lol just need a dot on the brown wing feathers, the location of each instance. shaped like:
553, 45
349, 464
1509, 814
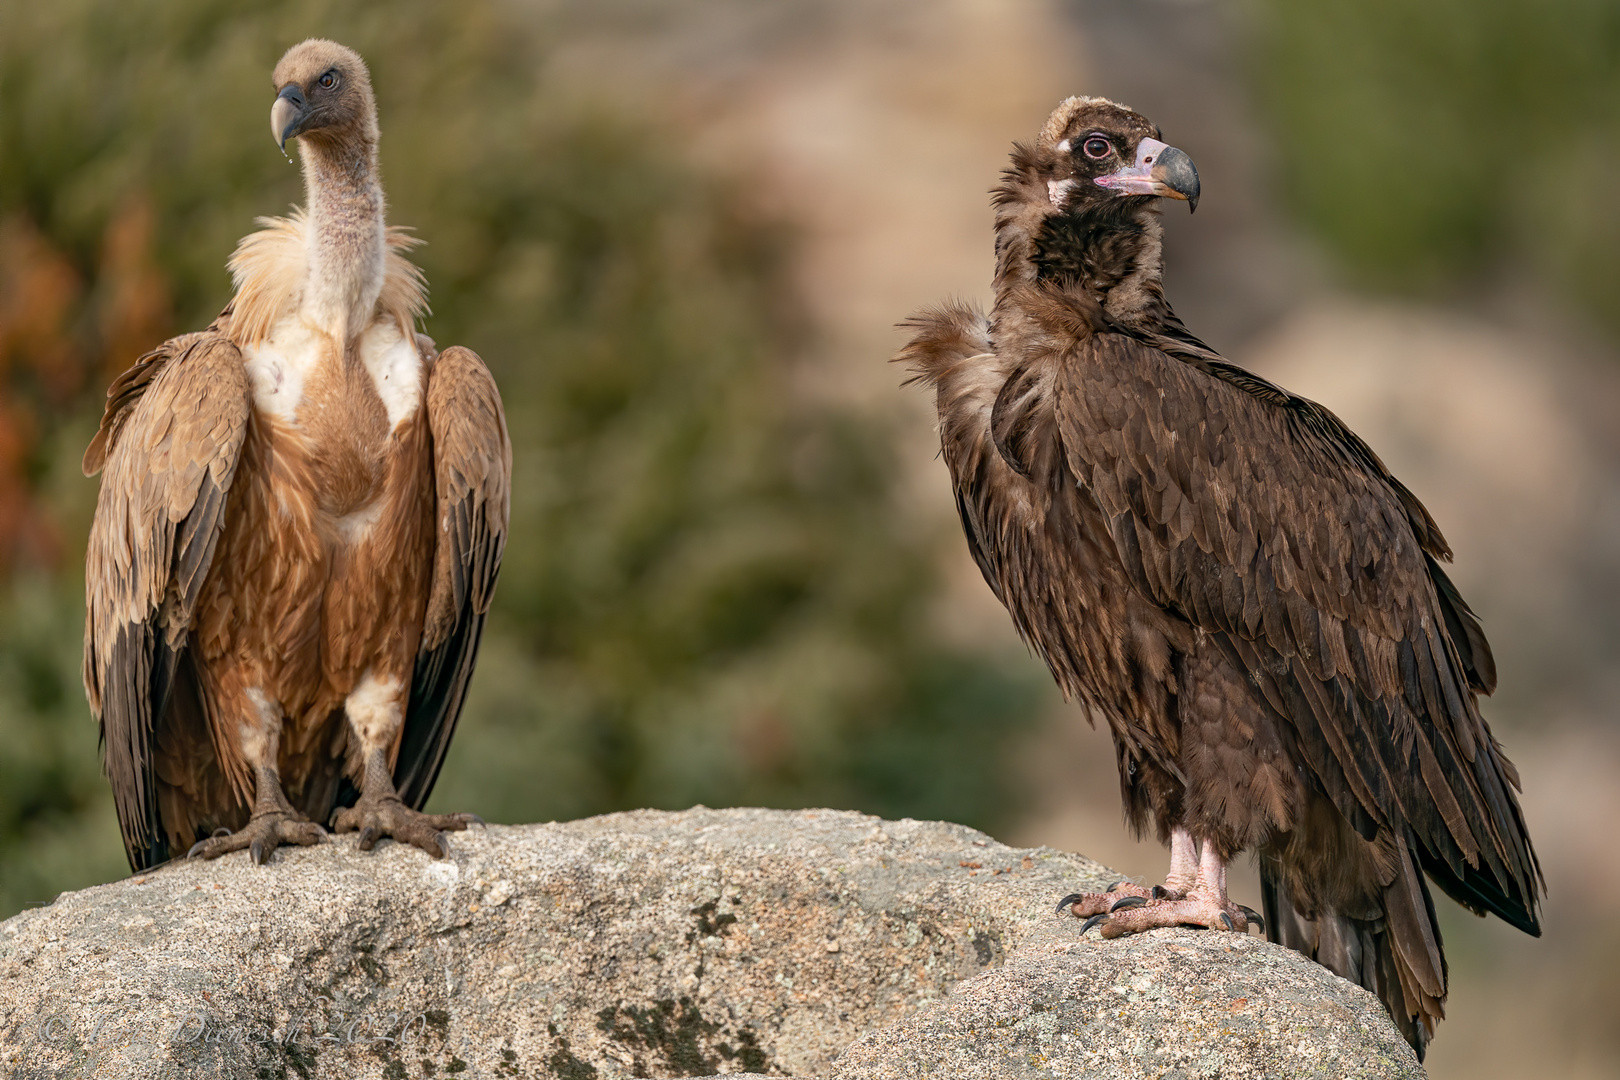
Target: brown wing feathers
472, 464
169, 443
1321, 571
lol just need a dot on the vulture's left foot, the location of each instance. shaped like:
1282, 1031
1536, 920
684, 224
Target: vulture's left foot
389, 816
1198, 909
263, 833
1081, 905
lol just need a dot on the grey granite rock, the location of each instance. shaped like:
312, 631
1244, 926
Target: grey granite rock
655, 944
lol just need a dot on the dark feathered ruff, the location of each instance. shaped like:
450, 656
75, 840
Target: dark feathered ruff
1231, 578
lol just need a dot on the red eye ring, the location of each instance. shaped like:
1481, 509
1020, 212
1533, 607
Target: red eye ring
1097, 147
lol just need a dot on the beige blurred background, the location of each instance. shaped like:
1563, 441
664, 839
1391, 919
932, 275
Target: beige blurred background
873, 129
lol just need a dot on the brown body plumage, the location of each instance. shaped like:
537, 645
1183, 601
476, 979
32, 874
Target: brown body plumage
1230, 578
299, 527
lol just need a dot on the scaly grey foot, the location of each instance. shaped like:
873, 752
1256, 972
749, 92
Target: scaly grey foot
389, 816
261, 835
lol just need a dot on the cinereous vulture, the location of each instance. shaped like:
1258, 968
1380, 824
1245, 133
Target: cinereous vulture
301, 518
1229, 577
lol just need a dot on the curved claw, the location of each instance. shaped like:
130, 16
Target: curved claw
1227, 919
1160, 892
1093, 921
257, 852
368, 837
1128, 902
1254, 917
1115, 885
219, 832
199, 845
444, 846
1064, 903
474, 819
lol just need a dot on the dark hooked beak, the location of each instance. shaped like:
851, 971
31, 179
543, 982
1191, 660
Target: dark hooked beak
288, 115
1158, 170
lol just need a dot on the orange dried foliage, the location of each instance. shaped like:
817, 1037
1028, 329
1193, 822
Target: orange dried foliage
51, 323
136, 310
39, 293
39, 289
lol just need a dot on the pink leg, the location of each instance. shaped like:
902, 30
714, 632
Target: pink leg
1204, 903
1183, 873
1183, 863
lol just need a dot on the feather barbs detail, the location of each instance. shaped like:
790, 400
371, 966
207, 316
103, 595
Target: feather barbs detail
269, 268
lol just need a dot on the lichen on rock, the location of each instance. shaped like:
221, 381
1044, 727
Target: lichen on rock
808, 943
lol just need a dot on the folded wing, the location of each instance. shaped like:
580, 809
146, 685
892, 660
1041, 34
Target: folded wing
472, 461
1259, 517
168, 444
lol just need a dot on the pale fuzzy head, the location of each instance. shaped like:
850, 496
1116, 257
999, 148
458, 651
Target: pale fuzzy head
323, 93
1062, 120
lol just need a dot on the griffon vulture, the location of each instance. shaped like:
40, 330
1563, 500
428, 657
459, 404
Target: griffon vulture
1230, 578
301, 518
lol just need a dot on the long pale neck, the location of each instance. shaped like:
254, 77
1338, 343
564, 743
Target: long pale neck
347, 235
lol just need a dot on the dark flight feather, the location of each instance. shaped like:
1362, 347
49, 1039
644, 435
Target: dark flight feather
472, 458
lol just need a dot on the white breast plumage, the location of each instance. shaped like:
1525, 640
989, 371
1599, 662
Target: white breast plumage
281, 364
395, 366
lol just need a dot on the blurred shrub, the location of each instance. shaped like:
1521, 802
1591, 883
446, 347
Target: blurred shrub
1428, 140
57, 829
709, 592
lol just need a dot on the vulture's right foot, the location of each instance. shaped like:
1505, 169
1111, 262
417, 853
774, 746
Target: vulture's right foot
261, 835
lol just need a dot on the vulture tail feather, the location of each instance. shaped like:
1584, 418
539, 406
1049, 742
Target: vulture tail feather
1396, 954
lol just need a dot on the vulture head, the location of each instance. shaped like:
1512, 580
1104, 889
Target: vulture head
1095, 152
323, 93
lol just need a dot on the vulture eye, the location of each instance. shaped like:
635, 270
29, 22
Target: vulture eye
329, 80
1098, 147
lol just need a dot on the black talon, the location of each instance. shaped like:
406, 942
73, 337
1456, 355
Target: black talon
474, 819
1227, 919
444, 846
1115, 885
1255, 918
256, 850
1093, 921
368, 837
1128, 902
1160, 892
198, 846
1069, 900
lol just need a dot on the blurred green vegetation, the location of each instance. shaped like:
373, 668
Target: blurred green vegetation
1433, 142
709, 594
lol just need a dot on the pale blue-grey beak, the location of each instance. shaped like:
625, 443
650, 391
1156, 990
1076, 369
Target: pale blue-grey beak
1159, 169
